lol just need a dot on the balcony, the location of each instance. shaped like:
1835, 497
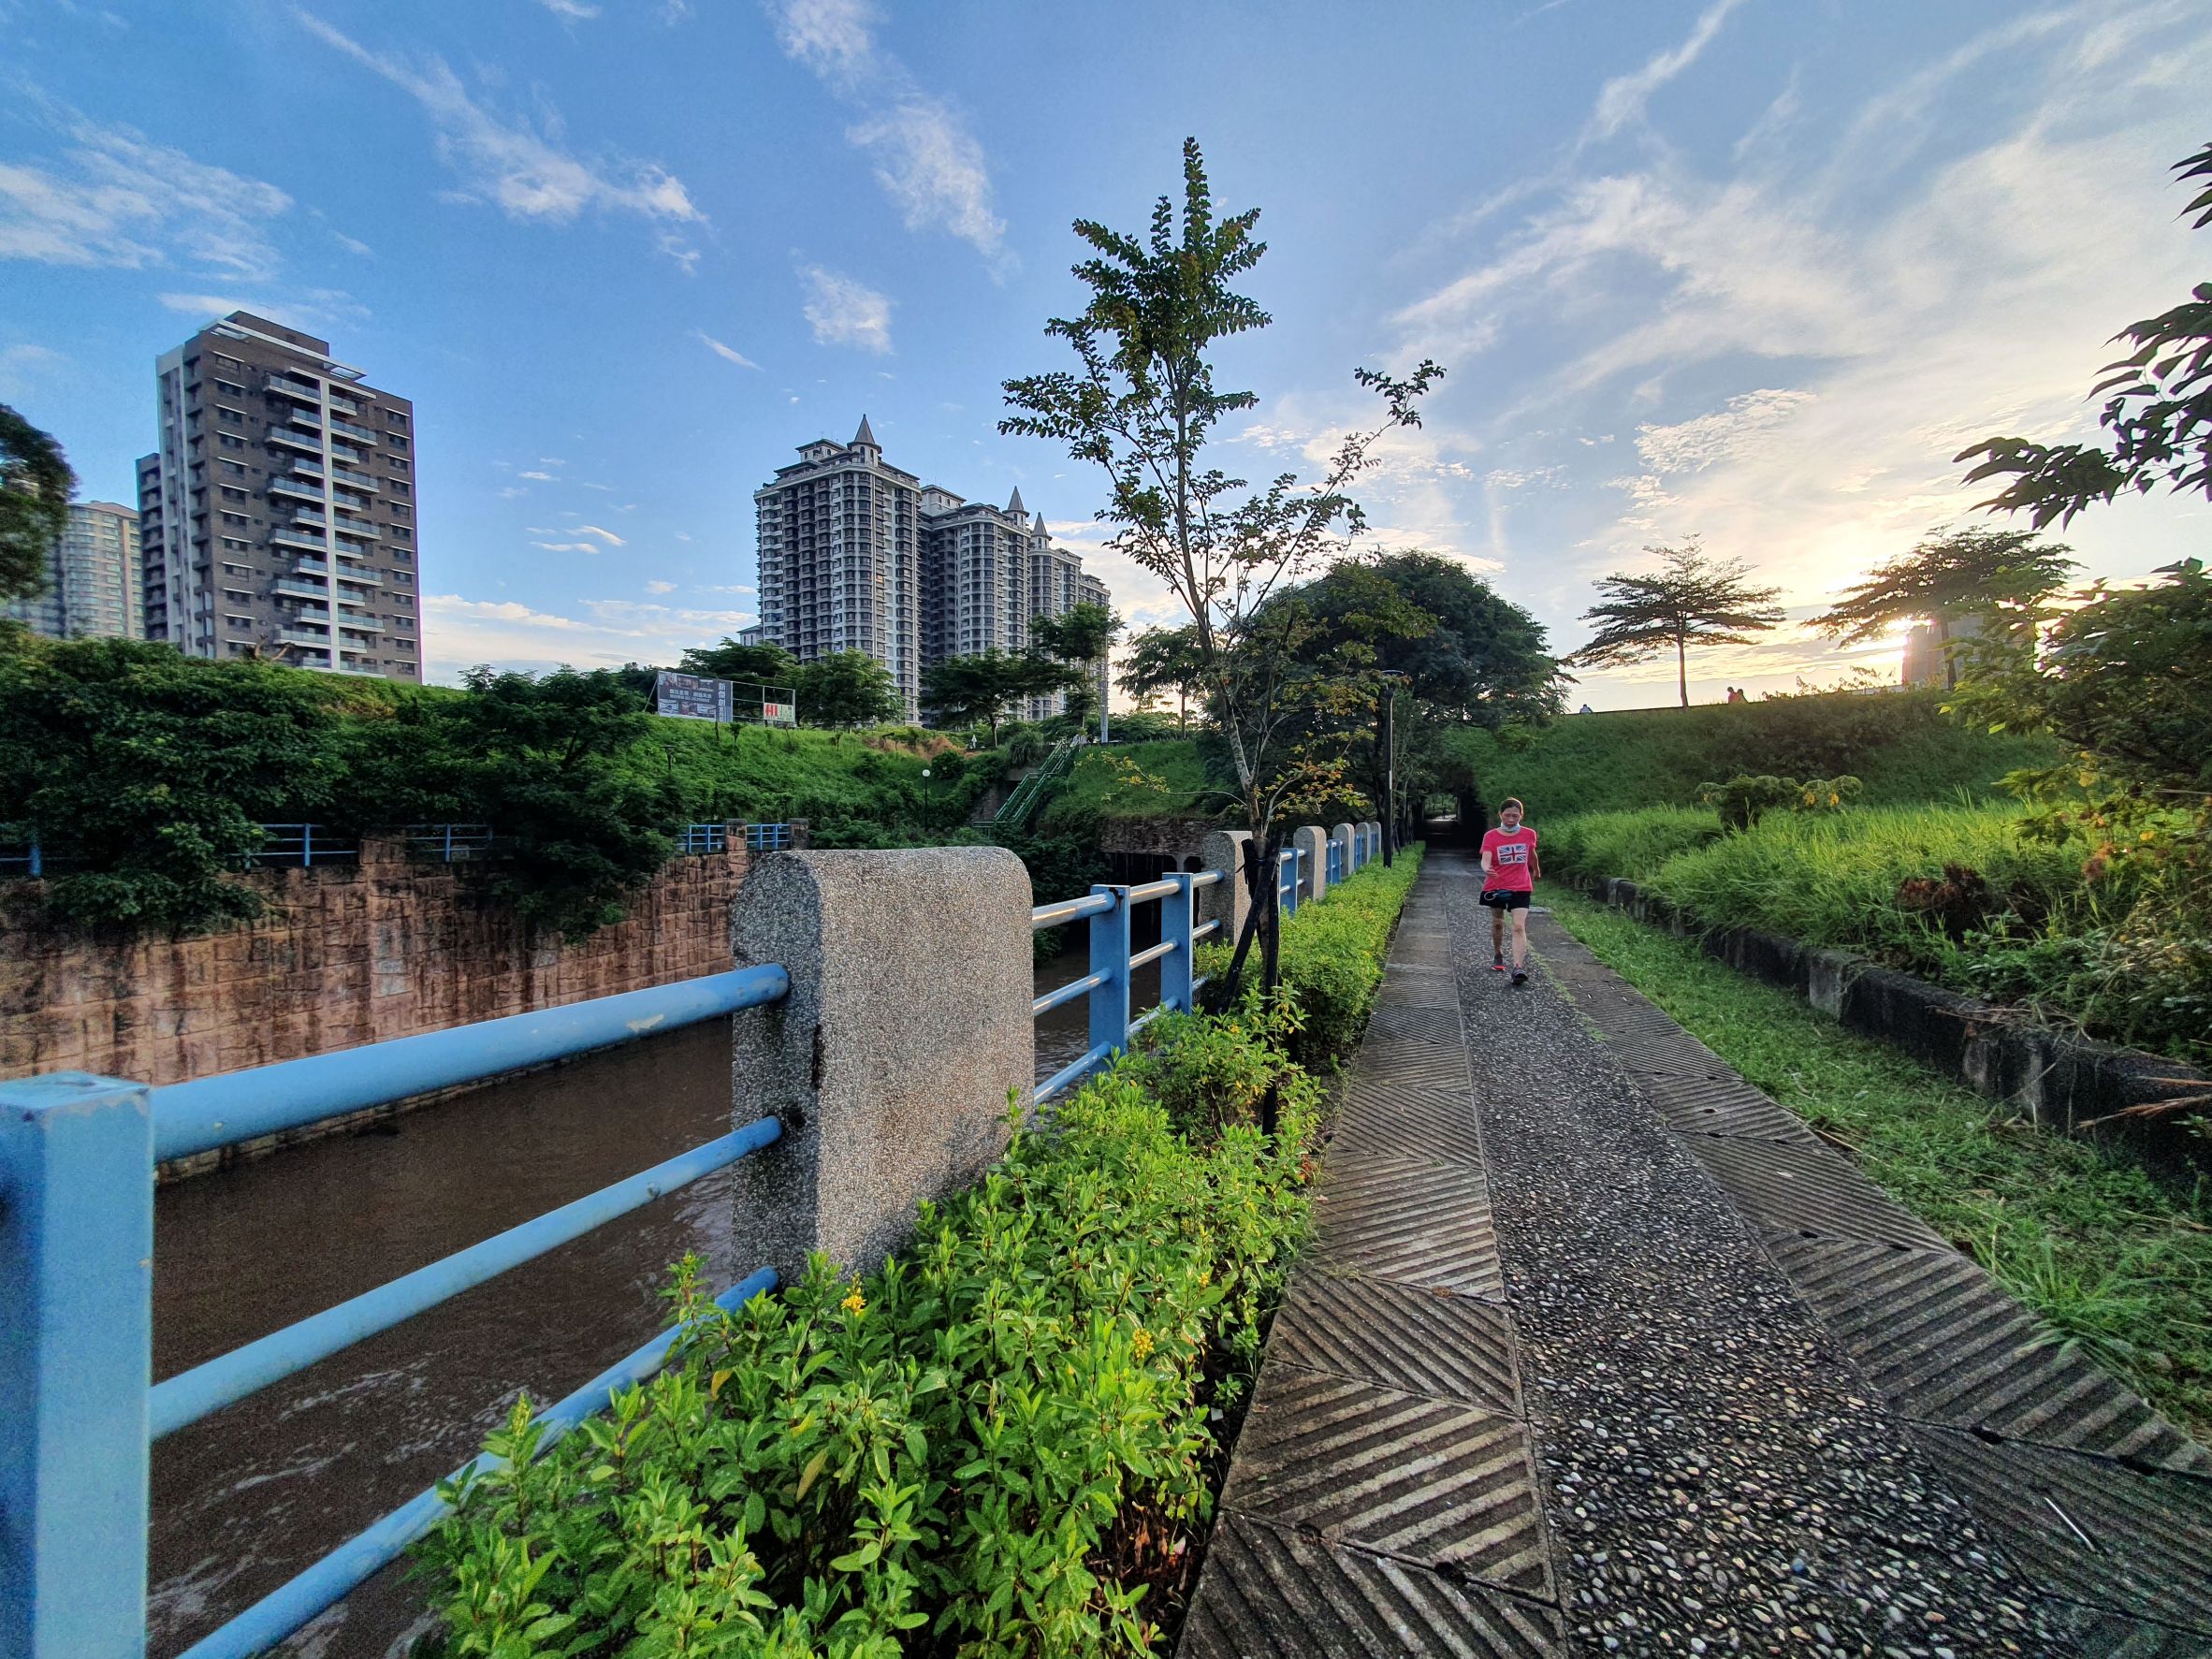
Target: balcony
344, 405
360, 434
288, 538
298, 441
294, 588
365, 578
314, 521
368, 670
348, 624
310, 567
359, 480
359, 527
310, 489
300, 636
305, 391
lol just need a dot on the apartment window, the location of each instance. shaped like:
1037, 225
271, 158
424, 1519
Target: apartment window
229, 442
238, 518
232, 468
399, 512
228, 416
398, 466
404, 578
402, 532
233, 495
244, 624
232, 544
400, 488
234, 390
237, 570
393, 418
232, 596
396, 443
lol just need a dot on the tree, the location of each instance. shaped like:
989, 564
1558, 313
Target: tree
147, 776
1142, 405
846, 688
540, 759
756, 664
960, 691
1082, 634
2157, 415
35, 485
1163, 659
1950, 577
1693, 600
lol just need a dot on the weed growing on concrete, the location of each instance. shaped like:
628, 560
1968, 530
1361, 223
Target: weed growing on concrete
2116, 1261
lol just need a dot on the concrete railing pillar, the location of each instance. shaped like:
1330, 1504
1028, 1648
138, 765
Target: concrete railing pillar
890, 1062
1340, 836
1312, 841
1227, 901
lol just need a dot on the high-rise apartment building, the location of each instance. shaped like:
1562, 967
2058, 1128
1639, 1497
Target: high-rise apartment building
277, 517
857, 554
91, 578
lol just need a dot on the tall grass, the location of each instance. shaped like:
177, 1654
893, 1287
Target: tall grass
1632, 844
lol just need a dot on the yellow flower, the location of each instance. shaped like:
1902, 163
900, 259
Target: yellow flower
1143, 1342
855, 1304
1206, 1278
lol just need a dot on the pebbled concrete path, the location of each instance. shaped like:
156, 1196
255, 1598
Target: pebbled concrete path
1599, 1351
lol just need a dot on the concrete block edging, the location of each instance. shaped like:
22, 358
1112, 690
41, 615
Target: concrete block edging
2065, 1084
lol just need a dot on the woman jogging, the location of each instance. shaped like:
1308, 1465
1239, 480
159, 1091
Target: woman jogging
1510, 873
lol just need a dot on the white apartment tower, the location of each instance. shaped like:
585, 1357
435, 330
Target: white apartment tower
277, 517
839, 538
857, 554
91, 578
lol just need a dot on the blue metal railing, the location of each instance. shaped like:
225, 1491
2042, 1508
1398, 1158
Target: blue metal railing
449, 842
768, 838
703, 837
303, 844
78, 1155
306, 845
1113, 963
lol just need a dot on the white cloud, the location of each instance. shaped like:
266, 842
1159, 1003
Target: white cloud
521, 166
926, 160
659, 587
608, 536
541, 477
1623, 99
568, 547
574, 10
463, 632
728, 354
843, 312
317, 310
23, 366
113, 197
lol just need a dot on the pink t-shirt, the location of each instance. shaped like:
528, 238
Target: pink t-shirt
1512, 858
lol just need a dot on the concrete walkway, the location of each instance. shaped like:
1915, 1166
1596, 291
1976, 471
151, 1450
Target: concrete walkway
1600, 1350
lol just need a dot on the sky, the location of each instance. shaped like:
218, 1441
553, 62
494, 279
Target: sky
1753, 271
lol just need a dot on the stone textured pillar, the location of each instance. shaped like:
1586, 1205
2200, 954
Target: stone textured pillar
1227, 901
1340, 836
1312, 840
890, 1062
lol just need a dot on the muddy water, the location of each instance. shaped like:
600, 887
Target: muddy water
246, 1498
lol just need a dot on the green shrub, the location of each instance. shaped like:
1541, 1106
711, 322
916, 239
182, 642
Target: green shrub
984, 1446
1331, 964
1744, 799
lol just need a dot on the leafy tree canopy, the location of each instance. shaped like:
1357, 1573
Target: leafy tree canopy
758, 664
2156, 417
1952, 573
1163, 659
846, 688
1082, 635
155, 773
1692, 600
35, 485
960, 691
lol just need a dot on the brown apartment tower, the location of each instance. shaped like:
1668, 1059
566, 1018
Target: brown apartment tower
278, 518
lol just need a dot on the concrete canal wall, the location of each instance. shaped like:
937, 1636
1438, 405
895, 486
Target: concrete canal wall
344, 954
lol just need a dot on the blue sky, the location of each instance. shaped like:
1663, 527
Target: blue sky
1753, 269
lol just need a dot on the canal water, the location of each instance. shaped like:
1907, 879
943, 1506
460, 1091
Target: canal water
246, 1498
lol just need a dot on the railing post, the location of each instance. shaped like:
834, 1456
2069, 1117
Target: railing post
1288, 891
1110, 955
1341, 844
1177, 916
37, 865
307, 846
1312, 842
76, 1359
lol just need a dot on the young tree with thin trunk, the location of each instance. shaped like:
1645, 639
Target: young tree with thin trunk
1163, 659
1692, 600
1952, 575
1142, 405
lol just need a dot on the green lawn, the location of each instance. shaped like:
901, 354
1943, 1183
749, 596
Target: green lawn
2115, 1259
1132, 780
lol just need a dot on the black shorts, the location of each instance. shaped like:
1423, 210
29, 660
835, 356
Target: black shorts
1504, 898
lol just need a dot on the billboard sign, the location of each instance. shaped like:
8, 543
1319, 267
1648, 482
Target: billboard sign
691, 697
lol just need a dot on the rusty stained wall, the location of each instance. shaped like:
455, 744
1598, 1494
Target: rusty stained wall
342, 956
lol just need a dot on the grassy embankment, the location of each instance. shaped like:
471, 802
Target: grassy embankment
1162, 778
2117, 1261
1901, 745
